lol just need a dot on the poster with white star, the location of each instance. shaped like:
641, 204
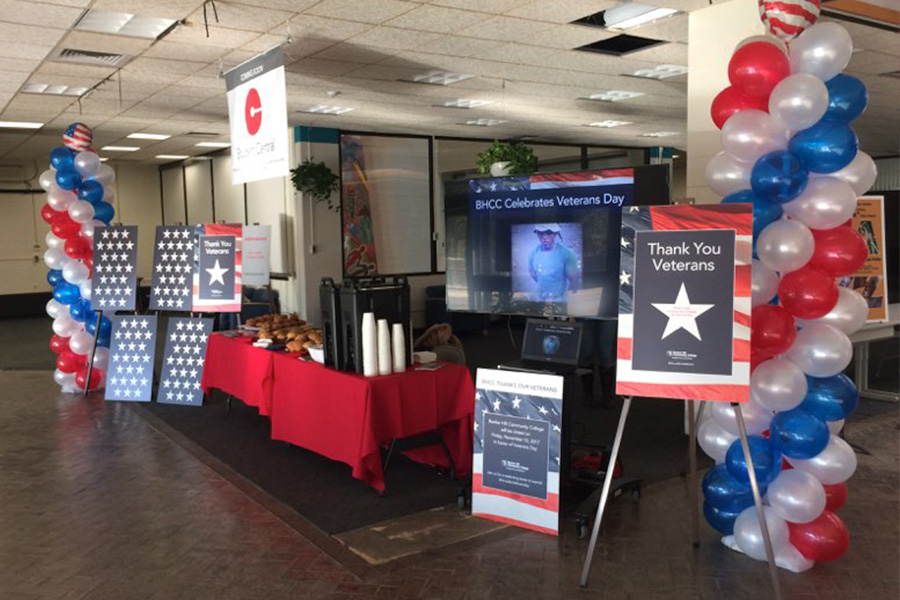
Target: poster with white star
517, 444
182, 364
173, 265
684, 302
217, 268
114, 280
131, 353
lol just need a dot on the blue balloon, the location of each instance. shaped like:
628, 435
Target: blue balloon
68, 179
721, 520
847, 98
798, 433
62, 159
105, 326
103, 342
91, 191
66, 293
104, 211
766, 460
724, 492
826, 147
764, 212
778, 177
77, 312
830, 398
54, 276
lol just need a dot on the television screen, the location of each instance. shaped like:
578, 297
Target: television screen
544, 245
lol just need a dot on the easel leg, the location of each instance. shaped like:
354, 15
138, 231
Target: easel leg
692, 480
604, 495
757, 500
90, 366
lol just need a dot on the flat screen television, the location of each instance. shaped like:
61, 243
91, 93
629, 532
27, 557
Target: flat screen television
544, 245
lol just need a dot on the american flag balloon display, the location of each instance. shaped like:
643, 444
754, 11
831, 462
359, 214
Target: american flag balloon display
78, 137
786, 19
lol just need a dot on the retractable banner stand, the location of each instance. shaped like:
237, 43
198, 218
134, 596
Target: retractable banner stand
516, 455
257, 114
256, 251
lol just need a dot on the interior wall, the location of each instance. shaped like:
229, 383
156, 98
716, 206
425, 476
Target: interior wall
138, 203
22, 232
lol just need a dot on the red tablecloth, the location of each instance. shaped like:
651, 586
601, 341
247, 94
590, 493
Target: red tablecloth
234, 366
347, 417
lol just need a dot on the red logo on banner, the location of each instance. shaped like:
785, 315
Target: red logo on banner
253, 111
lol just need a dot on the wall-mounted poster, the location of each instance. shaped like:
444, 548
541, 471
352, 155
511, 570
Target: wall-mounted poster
684, 302
871, 279
517, 428
257, 244
217, 274
114, 280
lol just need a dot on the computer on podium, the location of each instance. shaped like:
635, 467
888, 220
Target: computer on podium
552, 346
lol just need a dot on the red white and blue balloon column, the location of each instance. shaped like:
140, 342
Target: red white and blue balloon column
788, 149
79, 192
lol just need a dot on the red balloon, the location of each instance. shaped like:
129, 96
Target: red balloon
807, 293
48, 214
839, 251
732, 100
59, 344
835, 496
64, 227
69, 362
825, 538
81, 376
772, 331
755, 69
76, 247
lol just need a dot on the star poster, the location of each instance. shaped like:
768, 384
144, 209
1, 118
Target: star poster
182, 364
684, 302
173, 264
131, 353
217, 271
114, 280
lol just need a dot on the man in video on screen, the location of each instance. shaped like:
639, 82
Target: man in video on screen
552, 265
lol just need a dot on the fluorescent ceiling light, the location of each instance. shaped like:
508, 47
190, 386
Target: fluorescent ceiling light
116, 23
212, 144
438, 77
121, 148
610, 123
659, 134
466, 103
614, 96
172, 156
632, 14
104, 159
148, 136
56, 90
661, 72
325, 109
20, 125
485, 122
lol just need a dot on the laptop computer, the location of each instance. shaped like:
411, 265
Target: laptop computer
552, 346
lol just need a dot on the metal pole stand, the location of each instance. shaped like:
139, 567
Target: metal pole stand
692, 480
90, 365
757, 500
604, 495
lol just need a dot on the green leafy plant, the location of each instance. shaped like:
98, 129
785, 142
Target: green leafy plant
521, 158
317, 181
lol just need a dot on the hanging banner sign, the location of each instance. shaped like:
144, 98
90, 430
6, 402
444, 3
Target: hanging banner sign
257, 248
684, 302
217, 274
871, 279
517, 428
257, 115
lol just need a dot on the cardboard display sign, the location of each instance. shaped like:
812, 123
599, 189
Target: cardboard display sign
684, 302
517, 429
256, 252
131, 353
173, 263
114, 280
871, 279
257, 116
218, 269
182, 364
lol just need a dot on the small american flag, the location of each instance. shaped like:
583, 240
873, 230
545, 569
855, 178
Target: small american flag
78, 137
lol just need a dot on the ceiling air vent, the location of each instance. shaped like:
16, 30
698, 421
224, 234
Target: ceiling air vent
89, 57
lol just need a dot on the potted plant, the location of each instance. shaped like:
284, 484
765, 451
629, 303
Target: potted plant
505, 158
317, 181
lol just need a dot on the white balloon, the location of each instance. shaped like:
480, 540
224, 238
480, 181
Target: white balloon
756, 418
80, 342
860, 173
748, 534
748, 134
85, 287
778, 385
835, 426
835, 464
725, 174
55, 258
109, 194
101, 358
60, 199
63, 379
821, 350
47, 179
826, 203
105, 174
87, 229
764, 283
798, 101
796, 496
849, 313
64, 326
87, 163
54, 242
56, 308
822, 50
714, 440
81, 211
71, 388
75, 272
785, 245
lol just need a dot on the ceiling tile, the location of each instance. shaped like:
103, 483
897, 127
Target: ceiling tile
323, 67
35, 13
16, 33
176, 51
168, 9
238, 16
371, 11
162, 65
672, 29
554, 11
458, 46
437, 19
505, 28
26, 51
567, 36
195, 33
21, 65
288, 5
493, 6
352, 52
392, 37
310, 26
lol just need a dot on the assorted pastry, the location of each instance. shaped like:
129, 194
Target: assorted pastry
289, 331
